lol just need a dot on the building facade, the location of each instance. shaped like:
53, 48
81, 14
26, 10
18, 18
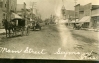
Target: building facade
95, 17
86, 19
77, 7
1, 13
88, 15
70, 15
9, 6
79, 11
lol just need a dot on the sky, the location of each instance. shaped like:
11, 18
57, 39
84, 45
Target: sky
48, 7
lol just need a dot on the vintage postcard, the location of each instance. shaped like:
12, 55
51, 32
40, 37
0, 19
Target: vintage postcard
49, 29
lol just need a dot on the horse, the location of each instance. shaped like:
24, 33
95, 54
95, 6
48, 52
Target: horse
9, 26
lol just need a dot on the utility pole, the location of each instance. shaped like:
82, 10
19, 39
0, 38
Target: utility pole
24, 15
36, 12
75, 9
8, 11
37, 15
33, 3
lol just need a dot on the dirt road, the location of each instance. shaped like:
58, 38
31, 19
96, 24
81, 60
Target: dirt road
52, 42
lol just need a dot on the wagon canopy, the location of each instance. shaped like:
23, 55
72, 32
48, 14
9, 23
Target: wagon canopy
15, 16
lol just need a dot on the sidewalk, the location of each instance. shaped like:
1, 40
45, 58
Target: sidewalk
88, 34
87, 29
2, 31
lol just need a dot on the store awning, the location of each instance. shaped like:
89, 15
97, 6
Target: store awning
85, 19
15, 16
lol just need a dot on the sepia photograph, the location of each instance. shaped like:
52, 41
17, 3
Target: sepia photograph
49, 29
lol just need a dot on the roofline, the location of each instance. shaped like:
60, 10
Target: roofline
77, 5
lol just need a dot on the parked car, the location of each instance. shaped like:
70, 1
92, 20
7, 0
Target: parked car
77, 26
36, 26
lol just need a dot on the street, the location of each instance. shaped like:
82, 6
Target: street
52, 42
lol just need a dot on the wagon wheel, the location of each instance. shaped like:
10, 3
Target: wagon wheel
34, 28
16, 30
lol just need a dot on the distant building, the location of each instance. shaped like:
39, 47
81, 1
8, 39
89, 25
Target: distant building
70, 17
63, 13
87, 14
70, 14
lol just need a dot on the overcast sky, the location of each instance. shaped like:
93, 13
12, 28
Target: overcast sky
48, 7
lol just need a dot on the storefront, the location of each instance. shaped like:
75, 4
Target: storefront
95, 21
95, 18
85, 21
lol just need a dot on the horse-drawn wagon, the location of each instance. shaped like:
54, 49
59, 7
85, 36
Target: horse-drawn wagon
21, 27
15, 27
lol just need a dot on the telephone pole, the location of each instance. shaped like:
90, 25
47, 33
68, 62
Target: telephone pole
8, 10
33, 3
24, 15
75, 9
